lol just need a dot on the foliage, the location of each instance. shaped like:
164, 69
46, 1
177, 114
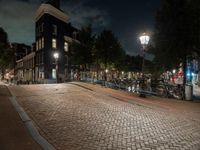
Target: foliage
109, 50
82, 51
177, 32
133, 63
105, 49
5, 51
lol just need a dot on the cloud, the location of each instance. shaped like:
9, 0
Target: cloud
17, 17
81, 14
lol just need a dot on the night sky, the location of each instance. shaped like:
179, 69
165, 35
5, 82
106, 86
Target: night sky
126, 18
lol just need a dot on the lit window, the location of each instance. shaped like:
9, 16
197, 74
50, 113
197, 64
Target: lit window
42, 42
54, 43
41, 75
54, 73
54, 30
66, 47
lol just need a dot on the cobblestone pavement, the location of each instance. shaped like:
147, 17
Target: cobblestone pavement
79, 116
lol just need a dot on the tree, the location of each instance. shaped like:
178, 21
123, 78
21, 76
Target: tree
5, 51
109, 50
82, 51
177, 32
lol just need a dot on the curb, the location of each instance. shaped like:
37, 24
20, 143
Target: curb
30, 126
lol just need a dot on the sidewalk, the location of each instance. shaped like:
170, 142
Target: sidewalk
14, 135
197, 92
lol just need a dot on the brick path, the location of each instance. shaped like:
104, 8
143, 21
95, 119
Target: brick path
88, 117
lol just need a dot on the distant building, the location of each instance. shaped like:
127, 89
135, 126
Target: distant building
19, 50
53, 33
19, 76
25, 69
29, 67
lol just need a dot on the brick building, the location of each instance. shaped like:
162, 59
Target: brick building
53, 33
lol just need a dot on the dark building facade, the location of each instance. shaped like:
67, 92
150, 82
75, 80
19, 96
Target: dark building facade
53, 33
19, 51
25, 69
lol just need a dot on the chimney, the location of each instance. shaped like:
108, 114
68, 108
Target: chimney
55, 3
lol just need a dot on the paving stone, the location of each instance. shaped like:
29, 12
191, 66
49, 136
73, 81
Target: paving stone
81, 119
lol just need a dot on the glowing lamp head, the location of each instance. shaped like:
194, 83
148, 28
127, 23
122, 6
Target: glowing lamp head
174, 71
106, 70
56, 55
144, 39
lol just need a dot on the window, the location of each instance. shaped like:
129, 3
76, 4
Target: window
66, 47
53, 73
36, 45
54, 29
42, 42
37, 31
39, 44
39, 58
42, 57
41, 75
42, 27
53, 43
74, 35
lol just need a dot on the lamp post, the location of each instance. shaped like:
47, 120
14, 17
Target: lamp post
56, 56
105, 76
144, 40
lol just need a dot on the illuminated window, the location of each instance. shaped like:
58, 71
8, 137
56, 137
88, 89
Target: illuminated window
53, 43
41, 75
54, 73
66, 47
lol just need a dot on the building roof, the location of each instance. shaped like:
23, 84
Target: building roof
49, 9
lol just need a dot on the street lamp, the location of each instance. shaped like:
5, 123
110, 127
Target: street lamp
144, 40
56, 56
174, 71
105, 76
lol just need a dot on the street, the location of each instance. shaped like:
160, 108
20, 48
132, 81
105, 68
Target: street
81, 116
14, 134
